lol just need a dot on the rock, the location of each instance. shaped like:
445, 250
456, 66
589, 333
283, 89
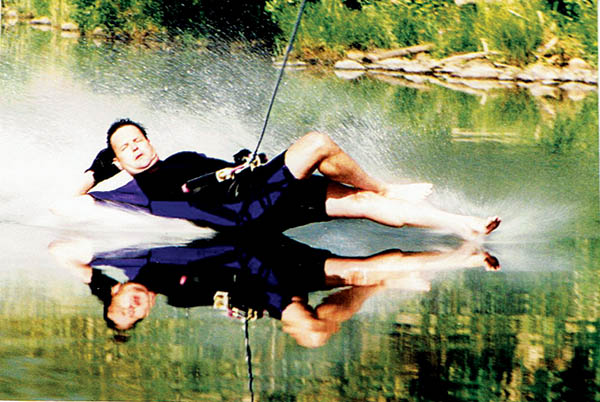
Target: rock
578, 64
410, 66
591, 77
69, 26
479, 69
450, 68
355, 55
539, 72
579, 70
41, 21
507, 73
348, 65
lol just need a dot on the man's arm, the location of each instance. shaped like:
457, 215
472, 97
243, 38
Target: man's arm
102, 168
85, 184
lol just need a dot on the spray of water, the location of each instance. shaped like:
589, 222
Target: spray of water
214, 103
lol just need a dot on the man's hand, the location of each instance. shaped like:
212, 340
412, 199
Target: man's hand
103, 167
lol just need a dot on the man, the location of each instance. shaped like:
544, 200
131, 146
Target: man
281, 194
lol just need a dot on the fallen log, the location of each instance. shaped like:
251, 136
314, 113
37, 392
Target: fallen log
467, 56
374, 57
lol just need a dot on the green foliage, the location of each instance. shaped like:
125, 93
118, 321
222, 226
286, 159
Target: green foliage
41, 7
516, 28
124, 17
516, 32
331, 24
182, 19
420, 21
577, 26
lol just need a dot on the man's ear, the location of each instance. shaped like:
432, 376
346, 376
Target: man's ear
117, 163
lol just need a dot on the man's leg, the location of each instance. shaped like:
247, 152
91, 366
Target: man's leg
347, 202
316, 151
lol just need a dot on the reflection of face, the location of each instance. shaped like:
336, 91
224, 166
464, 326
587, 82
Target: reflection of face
130, 303
133, 150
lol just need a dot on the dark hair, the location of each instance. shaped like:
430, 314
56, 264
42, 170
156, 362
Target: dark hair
120, 123
100, 286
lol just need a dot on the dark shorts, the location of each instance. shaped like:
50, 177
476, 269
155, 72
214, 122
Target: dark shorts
302, 201
277, 200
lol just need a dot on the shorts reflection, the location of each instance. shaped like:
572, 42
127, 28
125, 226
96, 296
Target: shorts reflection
253, 277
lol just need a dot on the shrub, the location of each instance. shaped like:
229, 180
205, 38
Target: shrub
516, 32
331, 24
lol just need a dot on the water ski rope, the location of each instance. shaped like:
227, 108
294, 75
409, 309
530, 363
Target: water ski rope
285, 59
198, 184
262, 134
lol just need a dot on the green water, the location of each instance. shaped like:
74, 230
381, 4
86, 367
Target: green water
528, 332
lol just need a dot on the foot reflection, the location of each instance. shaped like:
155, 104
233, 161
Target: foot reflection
252, 277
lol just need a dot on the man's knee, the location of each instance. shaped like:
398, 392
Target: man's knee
319, 143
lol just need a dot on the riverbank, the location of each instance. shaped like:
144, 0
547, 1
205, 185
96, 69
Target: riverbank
474, 73
519, 30
555, 68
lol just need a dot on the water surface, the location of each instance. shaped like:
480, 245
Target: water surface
527, 332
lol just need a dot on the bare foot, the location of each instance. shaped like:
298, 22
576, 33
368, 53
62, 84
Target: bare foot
409, 192
493, 223
474, 228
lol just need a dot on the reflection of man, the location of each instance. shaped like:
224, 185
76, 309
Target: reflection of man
281, 194
274, 276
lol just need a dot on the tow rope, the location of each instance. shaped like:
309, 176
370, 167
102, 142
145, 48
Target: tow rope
281, 70
226, 178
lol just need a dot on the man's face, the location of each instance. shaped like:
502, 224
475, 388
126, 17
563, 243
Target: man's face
133, 151
130, 303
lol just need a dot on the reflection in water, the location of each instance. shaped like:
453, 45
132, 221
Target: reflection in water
249, 277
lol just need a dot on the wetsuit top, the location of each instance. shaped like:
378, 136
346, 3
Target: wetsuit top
263, 276
277, 200
158, 189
